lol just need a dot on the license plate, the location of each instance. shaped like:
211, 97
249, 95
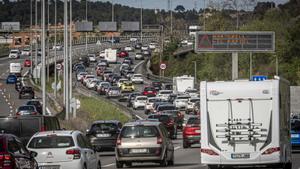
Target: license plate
138, 150
103, 135
240, 156
197, 131
49, 167
295, 135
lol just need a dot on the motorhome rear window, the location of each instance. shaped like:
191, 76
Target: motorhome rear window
29, 127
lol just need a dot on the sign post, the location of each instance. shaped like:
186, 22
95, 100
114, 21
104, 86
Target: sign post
234, 42
163, 66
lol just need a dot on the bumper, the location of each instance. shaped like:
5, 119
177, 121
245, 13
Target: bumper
192, 139
74, 164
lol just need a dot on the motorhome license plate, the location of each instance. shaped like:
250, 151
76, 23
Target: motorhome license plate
139, 150
240, 156
50, 167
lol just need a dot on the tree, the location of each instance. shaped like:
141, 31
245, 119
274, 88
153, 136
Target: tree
179, 8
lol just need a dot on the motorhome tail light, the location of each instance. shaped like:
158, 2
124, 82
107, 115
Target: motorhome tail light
271, 150
5, 160
159, 140
209, 152
75, 152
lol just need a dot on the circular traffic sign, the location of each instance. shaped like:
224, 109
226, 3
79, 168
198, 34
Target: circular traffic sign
163, 66
58, 66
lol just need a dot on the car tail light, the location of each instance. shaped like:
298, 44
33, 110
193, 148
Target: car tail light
75, 152
119, 141
6, 161
34, 113
271, 150
159, 140
18, 113
209, 152
43, 128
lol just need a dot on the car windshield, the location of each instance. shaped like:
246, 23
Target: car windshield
141, 98
193, 120
51, 142
139, 131
22, 108
295, 126
103, 126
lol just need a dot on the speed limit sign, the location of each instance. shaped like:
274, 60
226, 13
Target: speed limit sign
163, 66
58, 66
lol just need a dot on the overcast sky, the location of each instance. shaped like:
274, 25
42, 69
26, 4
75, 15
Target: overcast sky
163, 4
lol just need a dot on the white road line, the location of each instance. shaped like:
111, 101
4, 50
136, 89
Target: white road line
6, 100
10, 107
9, 103
177, 148
140, 118
137, 65
4, 96
49, 112
108, 165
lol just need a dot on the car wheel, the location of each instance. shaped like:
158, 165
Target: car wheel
20, 97
288, 165
171, 162
119, 164
185, 144
164, 161
99, 165
128, 164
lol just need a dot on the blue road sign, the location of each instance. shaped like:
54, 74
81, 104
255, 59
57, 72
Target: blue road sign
259, 78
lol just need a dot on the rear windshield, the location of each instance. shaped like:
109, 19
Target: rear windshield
10, 126
161, 118
33, 103
165, 92
295, 125
193, 121
141, 98
51, 142
183, 98
139, 132
149, 89
1, 144
138, 76
162, 108
26, 108
104, 126
153, 100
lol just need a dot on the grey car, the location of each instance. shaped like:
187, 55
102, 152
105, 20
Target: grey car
144, 141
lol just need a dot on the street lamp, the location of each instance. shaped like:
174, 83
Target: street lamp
43, 58
195, 71
141, 21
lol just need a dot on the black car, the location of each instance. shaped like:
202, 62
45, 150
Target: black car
103, 134
26, 92
25, 126
37, 105
13, 153
18, 85
84, 60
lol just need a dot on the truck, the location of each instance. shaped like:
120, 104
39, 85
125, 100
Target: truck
15, 68
111, 55
245, 124
181, 83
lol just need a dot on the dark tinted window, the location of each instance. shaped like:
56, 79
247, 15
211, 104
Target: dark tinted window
1, 144
103, 126
35, 103
26, 108
149, 89
193, 120
162, 108
161, 118
295, 125
139, 131
51, 142
29, 127
10, 126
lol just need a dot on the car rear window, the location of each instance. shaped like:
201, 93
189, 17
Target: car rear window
139, 132
149, 89
10, 126
162, 108
193, 121
104, 126
26, 108
161, 118
1, 144
295, 125
166, 92
51, 142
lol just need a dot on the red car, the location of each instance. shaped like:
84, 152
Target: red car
27, 63
149, 91
191, 132
123, 54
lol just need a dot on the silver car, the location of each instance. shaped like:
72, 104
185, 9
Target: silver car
144, 141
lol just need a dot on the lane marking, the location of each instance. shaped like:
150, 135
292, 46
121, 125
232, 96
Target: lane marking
108, 165
140, 118
49, 112
177, 148
137, 65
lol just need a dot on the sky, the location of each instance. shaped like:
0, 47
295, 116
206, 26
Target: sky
163, 4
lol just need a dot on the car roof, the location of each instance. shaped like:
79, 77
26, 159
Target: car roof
142, 122
106, 121
56, 132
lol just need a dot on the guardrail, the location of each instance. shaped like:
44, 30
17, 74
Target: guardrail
183, 50
154, 77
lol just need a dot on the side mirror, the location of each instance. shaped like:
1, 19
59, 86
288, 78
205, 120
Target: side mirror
33, 154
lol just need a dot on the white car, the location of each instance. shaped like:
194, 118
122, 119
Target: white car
133, 39
139, 56
25, 52
86, 78
58, 47
181, 102
92, 57
81, 75
191, 103
137, 78
63, 149
164, 94
145, 48
102, 54
149, 104
128, 49
14, 53
91, 83
139, 102
192, 92
152, 46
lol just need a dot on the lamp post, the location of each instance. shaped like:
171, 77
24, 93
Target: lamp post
141, 21
86, 19
30, 39
66, 87
43, 58
195, 71
55, 31
70, 54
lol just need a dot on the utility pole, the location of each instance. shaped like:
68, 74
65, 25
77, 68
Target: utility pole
70, 66
195, 71
204, 22
36, 39
86, 19
43, 58
171, 16
66, 91
55, 31
48, 44
112, 20
30, 39
141, 21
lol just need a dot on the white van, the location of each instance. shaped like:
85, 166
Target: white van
245, 124
15, 68
14, 53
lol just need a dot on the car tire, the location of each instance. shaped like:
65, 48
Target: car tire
128, 164
287, 165
185, 144
171, 162
99, 165
119, 164
164, 161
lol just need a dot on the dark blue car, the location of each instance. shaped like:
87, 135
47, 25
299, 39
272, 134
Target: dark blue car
11, 79
295, 135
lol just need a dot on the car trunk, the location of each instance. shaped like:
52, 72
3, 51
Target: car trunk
52, 155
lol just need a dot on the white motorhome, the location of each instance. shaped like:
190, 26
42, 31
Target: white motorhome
15, 68
182, 83
111, 55
245, 123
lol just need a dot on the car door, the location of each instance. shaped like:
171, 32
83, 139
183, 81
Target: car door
89, 153
21, 159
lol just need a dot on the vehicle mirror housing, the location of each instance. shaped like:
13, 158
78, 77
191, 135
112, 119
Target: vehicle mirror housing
33, 154
87, 131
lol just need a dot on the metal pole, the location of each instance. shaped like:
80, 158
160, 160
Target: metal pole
112, 19
86, 40
195, 69
141, 21
30, 39
70, 66
204, 1
66, 59
36, 39
48, 42
43, 58
171, 13
277, 68
55, 31
235, 66
250, 66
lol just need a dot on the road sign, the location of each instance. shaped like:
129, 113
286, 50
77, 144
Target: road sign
58, 66
259, 78
75, 103
163, 66
229, 41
